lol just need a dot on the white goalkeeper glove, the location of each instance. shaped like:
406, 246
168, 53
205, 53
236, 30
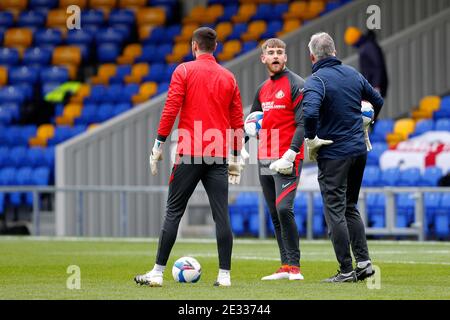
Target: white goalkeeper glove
236, 165
285, 164
314, 146
367, 139
156, 156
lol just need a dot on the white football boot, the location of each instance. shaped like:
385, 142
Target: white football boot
223, 279
152, 279
295, 273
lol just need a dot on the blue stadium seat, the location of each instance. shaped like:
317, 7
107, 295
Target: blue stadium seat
162, 88
41, 176
381, 129
18, 156
92, 17
170, 68
37, 56
272, 28
88, 114
443, 124
7, 176
330, 6
238, 30
9, 56
378, 148
4, 156
157, 35
263, 12
371, 176
32, 19
301, 211
318, 215
148, 54
237, 223
161, 53
389, 177
36, 157
113, 92
121, 72
444, 111
6, 19
432, 203
54, 74
228, 12
248, 46
253, 223
110, 36
422, 127
23, 178
97, 93
129, 91
107, 52
156, 73
23, 74
371, 201
376, 212
121, 107
49, 154
9, 112
170, 33
409, 177
430, 177
121, 16
13, 94
62, 133
39, 4
441, 221
405, 209
51, 37
79, 37
105, 111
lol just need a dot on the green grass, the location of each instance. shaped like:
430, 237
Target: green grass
36, 269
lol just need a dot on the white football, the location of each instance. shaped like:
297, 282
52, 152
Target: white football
186, 270
368, 113
253, 123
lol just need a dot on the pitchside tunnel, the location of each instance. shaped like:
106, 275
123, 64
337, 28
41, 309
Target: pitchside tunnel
79, 111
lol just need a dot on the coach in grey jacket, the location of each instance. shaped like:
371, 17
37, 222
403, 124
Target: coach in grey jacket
335, 138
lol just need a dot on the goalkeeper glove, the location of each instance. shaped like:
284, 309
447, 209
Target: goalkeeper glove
314, 146
284, 165
156, 156
236, 165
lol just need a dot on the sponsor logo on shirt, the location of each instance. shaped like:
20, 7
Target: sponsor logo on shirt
280, 94
271, 105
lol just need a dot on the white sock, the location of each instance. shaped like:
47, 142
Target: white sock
224, 273
159, 268
363, 264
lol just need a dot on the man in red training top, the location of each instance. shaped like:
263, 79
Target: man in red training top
280, 152
207, 97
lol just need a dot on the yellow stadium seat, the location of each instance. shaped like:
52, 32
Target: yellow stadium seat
80, 3
138, 71
18, 38
132, 4
146, 91
179, 51
93, 126
213, 13
196, 15
297, 10
66, 55
230, 49
402, 129
71, 111
44, 132
223, 30
245, 12
315, 7
81, 93
151, 16
3, 76
186, 32
255, 1
289, 26
105, 71
13, 5
254, 31
131, 52
427, 107
109, 4
57, 18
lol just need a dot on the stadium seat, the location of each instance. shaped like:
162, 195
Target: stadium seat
48, 37
130, 53
154, 16
19, 38
105, 111
6, 19
105, 71
120, 108
230, 49
41, 176
121, 72
318, 215
196, 15
9, 56
146, 91
443, 124
44, 132
237, 221
426, 108
264, 12
272, 29
381, 129
441, 220
132, 4
179, 51
54, 74
31, 19
13, 5
83, 91
405, 203
402, 129
422, 127
92, 17
23, 74
186, 32
80, 3
238, 30
432, 202
228, 12
71, 111
12, 94
37, 56
245, 12
35, 157
138, 71
373, 157
371, 176
223, 30
430, 177
289, 25
409, 177
156, 73
107, 52
121, 16
389, 177
18, 156
254, 31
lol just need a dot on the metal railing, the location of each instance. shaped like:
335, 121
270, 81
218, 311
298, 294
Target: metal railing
124, 192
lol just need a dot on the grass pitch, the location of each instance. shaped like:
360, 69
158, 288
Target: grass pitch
32, 268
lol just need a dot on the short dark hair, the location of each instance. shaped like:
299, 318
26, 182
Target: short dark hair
206, 39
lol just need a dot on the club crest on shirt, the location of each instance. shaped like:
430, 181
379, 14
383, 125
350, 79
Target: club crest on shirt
280, 94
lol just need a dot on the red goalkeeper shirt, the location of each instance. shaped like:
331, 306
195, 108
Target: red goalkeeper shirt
207, 97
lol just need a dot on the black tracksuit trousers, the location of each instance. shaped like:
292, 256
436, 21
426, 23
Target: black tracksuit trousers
183, 181
340, 182
279, 192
